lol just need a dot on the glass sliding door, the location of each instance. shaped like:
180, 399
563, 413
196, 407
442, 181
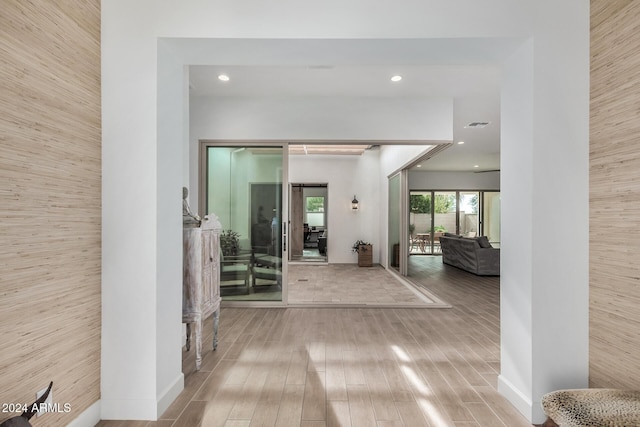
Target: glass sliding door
244, 188
420, 222
491, 217
432, 213
444, 215
468, 215
394, 222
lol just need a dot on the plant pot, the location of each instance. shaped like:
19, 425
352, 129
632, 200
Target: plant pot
365, 255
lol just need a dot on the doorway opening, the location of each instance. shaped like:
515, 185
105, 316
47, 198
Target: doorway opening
309, 216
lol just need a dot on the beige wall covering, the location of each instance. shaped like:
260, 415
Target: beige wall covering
50, 203
615, 194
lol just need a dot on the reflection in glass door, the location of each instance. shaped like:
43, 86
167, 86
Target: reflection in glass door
468, 216
394, 222
244, 189
491, 217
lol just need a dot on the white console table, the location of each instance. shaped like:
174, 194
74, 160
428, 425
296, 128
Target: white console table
201, 279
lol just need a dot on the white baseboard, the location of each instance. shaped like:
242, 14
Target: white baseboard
89, 417
170, 394
142, 409
129, 409
515, 396
531, 410
539, 416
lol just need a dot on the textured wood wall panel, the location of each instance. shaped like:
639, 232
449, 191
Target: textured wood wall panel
604, 10
50, 203
615, 194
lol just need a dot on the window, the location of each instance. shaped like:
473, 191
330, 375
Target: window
315, 204
470, 213
314, 211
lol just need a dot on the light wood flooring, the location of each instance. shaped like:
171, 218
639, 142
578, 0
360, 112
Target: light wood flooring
383, 367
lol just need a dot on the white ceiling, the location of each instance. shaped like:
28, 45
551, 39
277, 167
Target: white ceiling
475, 89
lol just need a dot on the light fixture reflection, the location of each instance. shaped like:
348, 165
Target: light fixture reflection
223, 77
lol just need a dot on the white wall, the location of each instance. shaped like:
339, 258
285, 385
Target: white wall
129, 221
142, 174
325, 117
544, 168
516, 267
346, 176
169, 380
561, 127
366, 119
426, 180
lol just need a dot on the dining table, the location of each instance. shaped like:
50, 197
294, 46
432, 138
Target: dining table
424, 241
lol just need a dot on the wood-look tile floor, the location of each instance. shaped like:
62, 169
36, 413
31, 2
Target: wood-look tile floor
381, 367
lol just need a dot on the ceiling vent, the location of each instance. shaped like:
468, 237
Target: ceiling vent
477, 125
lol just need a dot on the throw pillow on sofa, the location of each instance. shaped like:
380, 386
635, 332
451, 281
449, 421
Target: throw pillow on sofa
483, 241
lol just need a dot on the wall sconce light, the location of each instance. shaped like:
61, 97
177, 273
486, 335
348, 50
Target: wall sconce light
354, 204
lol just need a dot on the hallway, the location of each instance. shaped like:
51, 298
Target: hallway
353, 366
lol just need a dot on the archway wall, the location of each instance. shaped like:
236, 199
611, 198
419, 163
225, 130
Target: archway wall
145, 47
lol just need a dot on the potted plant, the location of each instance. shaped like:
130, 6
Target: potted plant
229, 242
364, 251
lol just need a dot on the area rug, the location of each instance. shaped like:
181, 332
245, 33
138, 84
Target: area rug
353, 286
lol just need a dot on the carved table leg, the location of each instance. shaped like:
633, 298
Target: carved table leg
198, 343
216, 322
188, 336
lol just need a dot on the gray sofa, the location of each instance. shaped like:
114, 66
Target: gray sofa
469, 254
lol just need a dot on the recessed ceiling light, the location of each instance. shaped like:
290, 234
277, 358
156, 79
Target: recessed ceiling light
419, 166
396, 78
460, 142
476, 166
223, 77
